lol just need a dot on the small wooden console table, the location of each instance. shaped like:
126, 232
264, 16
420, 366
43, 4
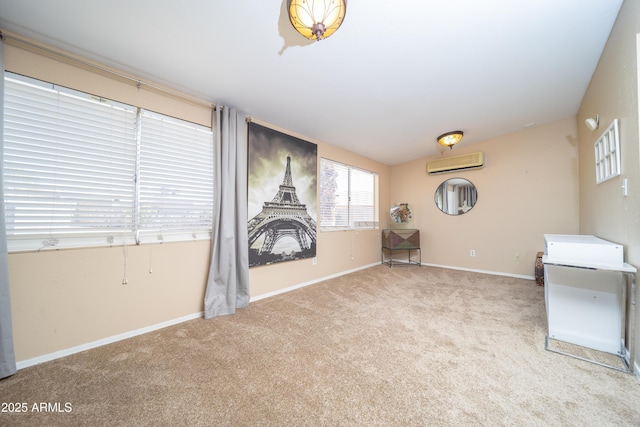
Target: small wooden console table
400, 240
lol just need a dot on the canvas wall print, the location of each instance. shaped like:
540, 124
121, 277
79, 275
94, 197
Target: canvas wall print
282, 197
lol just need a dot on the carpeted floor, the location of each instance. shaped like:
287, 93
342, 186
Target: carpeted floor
406, 346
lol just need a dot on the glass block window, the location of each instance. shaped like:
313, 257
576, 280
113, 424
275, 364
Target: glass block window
607, 150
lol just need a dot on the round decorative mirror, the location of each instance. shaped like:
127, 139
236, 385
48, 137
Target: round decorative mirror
456, 196
400, 213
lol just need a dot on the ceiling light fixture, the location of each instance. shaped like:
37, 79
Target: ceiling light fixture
450, 139
316, 19
593, 123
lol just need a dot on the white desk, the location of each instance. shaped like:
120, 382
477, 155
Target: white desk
589, 303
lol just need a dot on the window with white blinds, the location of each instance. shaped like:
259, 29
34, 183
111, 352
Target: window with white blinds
348, 197
176, 179
84, 171
69, 167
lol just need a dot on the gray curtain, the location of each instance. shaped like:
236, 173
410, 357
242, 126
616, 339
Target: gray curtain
228, 282
7, 356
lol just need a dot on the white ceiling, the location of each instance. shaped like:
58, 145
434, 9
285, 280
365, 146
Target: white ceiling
392, 78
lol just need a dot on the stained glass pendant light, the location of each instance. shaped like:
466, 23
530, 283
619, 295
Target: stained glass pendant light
450, 139
316, 19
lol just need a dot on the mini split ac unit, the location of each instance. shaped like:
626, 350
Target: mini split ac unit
456, 163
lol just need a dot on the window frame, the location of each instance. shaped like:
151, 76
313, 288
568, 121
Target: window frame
353, 221
37, 239
607, 154
189, 178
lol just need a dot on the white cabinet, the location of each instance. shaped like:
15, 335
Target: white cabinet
586, 292
584, 307
584, 250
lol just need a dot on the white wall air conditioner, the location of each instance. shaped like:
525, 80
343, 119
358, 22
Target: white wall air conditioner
456, 163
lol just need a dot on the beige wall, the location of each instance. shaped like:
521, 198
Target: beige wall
613, 93
68, 298
528, 187
23, 59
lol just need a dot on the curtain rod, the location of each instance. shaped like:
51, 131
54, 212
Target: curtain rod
139, 83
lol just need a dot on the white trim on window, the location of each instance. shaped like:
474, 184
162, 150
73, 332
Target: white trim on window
69, 165
176, 180
348, 197
607, 154
83, 171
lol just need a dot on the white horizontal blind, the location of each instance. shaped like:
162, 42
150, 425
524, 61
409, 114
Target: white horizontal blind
69, 167
362, 191
334, 194
347, 197
175, 179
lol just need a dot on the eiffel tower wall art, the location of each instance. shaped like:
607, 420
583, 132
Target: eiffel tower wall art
282, 193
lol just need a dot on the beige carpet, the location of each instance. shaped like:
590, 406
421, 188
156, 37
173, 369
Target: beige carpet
407, 346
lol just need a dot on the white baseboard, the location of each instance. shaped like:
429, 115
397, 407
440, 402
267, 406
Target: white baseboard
83, 347
311, 282
495, 273
109, 340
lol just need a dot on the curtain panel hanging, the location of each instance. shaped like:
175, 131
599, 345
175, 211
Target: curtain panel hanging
7, 355
228, 281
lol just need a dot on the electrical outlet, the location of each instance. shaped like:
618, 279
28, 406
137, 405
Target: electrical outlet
472, 252
516, 256
314, 260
